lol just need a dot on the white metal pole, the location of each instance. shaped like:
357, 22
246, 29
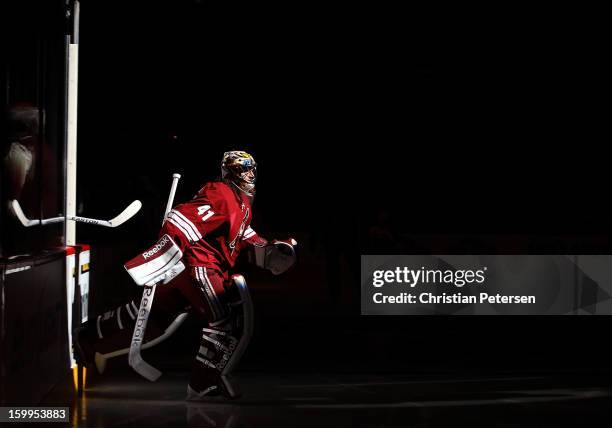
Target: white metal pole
71, 147
71, 170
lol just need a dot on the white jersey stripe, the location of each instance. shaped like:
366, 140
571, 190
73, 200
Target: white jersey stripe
214, 297
189, 223
173, 214
182, 227
204, 288
179, 227
212, 290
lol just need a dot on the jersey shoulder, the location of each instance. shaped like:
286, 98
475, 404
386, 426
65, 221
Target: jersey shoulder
216, 193
216, 190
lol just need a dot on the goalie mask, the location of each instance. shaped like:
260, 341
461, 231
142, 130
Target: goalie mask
240, 169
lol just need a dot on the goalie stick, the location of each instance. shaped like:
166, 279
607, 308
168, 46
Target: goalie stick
125, 215
135, 358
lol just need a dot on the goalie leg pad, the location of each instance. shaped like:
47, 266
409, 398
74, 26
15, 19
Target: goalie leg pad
224, 342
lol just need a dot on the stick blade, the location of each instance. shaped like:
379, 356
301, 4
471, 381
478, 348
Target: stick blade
143, 368
127, 214
21, 216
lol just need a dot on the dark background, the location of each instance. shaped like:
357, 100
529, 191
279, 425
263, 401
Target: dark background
449, 122
376, 130
440, 122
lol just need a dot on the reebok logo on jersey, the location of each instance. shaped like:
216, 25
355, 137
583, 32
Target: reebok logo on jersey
156, 248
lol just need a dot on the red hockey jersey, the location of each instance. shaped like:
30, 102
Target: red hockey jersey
213, 227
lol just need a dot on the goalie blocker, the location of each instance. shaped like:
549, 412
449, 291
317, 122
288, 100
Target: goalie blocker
159, 264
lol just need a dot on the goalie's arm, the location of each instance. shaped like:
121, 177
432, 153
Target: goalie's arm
188, 223
251, 237
256, 240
